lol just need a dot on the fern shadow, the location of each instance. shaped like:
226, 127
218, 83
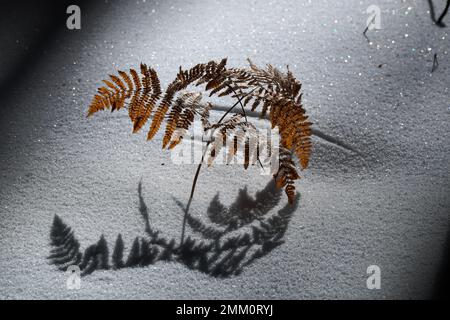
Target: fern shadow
232, 238
236, 235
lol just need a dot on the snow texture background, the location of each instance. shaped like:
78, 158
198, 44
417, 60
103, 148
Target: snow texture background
385, 204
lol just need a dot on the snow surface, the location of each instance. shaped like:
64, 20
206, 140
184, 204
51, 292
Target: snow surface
385, 204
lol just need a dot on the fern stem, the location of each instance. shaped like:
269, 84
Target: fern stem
192, 195
234, 105
243, 111
239, 101
194, 183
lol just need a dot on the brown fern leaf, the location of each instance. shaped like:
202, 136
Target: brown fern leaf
184, 121
123, 92
133, 107
98, 103
280, 94
174, 115
216, 146
192, 74
238, 139
190, 104
126, 86
186, 100
276, 93
219, 133
302, 140
162, 109
246, 154
204, 116
286, 174
115, 95
107, 97
156, 85
149, 101
221, 84
208, 72
183, 79
141, 109
231, 88
236, 134
128, 81
217, 76
295, 132
290, 192
303, 151
118, 82
228, 81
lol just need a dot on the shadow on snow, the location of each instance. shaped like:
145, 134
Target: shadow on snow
233, 238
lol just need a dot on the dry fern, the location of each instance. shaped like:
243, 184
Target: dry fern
275, 93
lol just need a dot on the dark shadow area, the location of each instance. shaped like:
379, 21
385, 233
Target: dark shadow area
28, 29
233, 238
65, 247
442, 287
439, 21
243, 211
66, 250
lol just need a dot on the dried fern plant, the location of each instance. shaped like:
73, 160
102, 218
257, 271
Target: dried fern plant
275, 93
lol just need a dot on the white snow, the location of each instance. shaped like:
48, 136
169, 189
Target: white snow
386, 205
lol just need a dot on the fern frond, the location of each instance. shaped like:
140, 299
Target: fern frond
244, 136
204, 116
128, 81
140, 112
174, 115
118, 82
149, 102
286, 174
236, 141
183, 79
133, 107
219, 133
186, 100
277, 94
184, 121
